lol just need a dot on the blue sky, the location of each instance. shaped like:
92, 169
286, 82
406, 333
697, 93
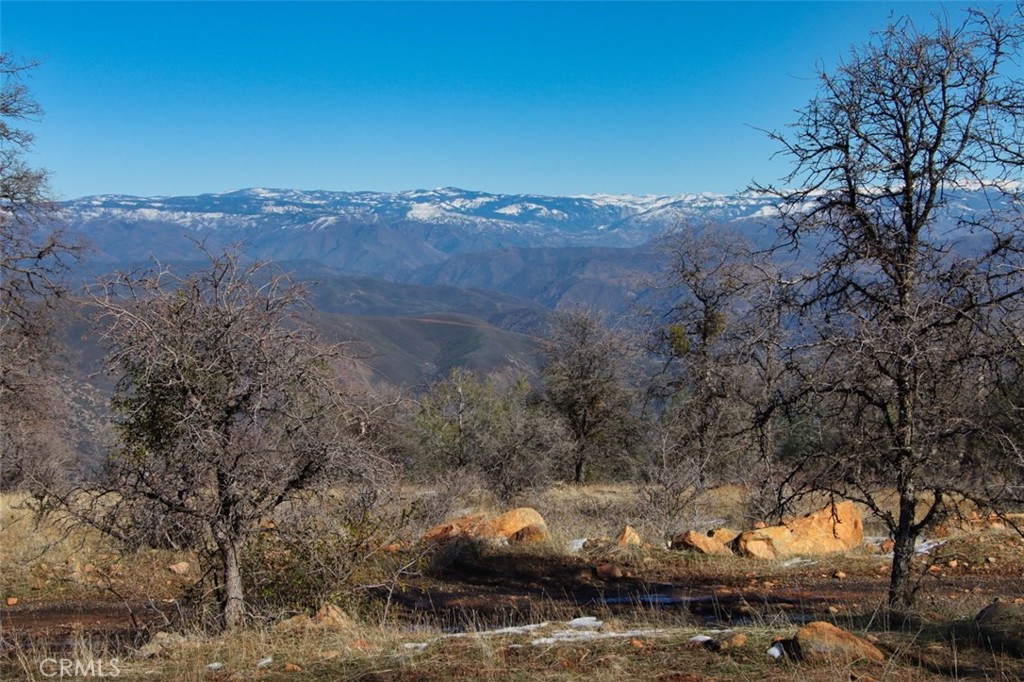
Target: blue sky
155, 98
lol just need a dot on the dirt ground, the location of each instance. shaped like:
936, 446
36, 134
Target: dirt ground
477, 588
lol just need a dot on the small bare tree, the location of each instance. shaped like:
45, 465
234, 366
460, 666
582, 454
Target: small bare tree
903, 318
34, 257
226, 407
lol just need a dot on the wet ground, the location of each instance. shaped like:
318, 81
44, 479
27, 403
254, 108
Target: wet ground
59, 627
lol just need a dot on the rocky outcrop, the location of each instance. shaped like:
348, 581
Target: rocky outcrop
821, 641
510, 526
713, 542
836, 528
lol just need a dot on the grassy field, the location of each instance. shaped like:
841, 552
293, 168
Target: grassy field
482, 612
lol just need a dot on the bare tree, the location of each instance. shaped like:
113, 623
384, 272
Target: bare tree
901, 319
227, 407
34, 256
588, 383
719, 331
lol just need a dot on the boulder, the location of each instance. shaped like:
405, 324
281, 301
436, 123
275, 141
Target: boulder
180, 568
1001, 627
714, 542
508, 524
330, 616
835, 528
529, 535
296, 623
821, 641
501, 527
628, 536
464, 525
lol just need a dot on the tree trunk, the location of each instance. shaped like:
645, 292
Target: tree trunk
578, 461
234, 598
901, 592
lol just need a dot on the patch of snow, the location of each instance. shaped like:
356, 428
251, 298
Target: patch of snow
585, 623
926, 546
511, 209
264, 662
416, 646
470, 204
274, 208
516, 629
798, 561
775, 650
425, 212
701, 639
589, 635
577, 544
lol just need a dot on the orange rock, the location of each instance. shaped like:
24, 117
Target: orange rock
12, 601
464, 525
508, 524
704, 543
609, 572
331, 616
887, 545
628, 536
836, 528
292, 668
529, 535
501, 527
824, 641
734, 642
180, 568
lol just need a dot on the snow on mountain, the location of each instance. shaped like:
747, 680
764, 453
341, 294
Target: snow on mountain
375, 232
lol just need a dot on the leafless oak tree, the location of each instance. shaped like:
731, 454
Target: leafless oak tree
226, 408
718, 326
903, 319
34, 256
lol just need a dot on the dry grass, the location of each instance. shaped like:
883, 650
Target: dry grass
51, 559
366, 653
46, 566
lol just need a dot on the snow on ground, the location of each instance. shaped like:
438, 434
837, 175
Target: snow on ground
586, 628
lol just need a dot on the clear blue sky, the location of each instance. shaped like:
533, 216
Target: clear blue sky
553, 98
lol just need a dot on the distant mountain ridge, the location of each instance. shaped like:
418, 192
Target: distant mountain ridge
384, 233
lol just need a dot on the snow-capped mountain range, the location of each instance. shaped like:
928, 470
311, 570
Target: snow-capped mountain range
387, 234
522, 220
